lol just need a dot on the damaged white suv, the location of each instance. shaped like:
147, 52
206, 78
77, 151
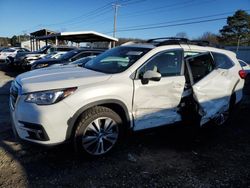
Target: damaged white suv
134, 86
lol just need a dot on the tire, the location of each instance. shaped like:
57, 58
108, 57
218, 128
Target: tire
97, 132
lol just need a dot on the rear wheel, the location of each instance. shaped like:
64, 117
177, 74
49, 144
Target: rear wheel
98, 131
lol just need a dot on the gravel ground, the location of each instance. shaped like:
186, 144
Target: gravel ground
178, 156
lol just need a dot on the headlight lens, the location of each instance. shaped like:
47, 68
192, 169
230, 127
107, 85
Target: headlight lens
42, 65
49, 97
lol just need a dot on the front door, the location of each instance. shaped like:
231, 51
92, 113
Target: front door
155, 102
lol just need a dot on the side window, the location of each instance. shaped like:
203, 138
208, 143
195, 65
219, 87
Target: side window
222, 61
201, 66
167, 63
51, 50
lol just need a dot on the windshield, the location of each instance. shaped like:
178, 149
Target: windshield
42, 49
116, 60
54, 55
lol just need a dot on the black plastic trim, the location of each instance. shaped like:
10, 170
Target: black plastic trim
36, 127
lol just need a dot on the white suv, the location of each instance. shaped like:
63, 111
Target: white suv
134, 86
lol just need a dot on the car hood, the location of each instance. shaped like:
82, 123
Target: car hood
47, 61
56, 78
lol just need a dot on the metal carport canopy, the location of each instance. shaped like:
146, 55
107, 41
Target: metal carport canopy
80, 36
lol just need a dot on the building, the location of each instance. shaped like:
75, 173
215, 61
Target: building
27, 44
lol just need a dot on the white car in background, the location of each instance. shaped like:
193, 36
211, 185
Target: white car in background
245, 66
11, 52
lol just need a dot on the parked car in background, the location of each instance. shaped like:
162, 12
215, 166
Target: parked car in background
20, 57
79, 62
27, 62
131, 87
244, 65
71, 56
246, 73
11, 52
2, 48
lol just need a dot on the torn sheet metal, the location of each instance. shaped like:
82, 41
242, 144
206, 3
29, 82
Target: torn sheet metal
214, 93
156, 103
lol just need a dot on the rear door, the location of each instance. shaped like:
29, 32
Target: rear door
212, 85
155, 102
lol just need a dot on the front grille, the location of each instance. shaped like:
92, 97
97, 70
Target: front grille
13, 94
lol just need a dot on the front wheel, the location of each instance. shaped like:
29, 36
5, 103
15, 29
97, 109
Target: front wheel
98, 130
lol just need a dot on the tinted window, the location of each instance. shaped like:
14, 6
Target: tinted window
167, 63
64, 49
51, 50
43, 49
117, 59
222, 61
69, 54
201, 66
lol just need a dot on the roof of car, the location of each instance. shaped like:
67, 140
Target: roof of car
89, 49
190, 46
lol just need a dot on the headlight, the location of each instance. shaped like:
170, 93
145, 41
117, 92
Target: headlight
41, 65
49, 97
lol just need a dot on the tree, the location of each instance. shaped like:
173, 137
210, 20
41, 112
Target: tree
237, 29
14, 40
210, 37
182, 35
4, 41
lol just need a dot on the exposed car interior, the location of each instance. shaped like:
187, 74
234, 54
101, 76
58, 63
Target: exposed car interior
200, 66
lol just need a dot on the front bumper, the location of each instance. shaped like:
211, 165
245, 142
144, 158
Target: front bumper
46, 125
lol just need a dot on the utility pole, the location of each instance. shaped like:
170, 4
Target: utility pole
116, 5
238, 44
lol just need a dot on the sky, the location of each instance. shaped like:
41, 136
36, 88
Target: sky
135, 18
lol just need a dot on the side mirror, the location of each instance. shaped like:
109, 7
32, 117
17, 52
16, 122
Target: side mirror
152, 75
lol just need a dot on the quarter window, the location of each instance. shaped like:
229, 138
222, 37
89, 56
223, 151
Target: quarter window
168, 63
222, 61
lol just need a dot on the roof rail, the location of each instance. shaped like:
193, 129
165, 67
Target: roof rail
200, 42
168, 41
176, 40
